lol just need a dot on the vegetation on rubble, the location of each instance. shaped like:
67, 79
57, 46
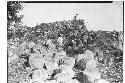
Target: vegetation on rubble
16, 71
103, 39
109, 43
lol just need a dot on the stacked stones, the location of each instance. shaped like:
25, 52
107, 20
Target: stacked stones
49, 65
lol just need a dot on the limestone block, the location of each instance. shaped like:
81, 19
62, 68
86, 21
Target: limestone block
40, 75
51, 64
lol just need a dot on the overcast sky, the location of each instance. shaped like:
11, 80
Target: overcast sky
100, 16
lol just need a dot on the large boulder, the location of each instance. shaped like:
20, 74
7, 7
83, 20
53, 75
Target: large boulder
51, 64
40, 75
68, 61
30, 44
92, 75
37, 48
80, 57
87, 55
61, 54
43, 50
91, 65
91, 69
66, 74
36, 61
48, 55
11, 58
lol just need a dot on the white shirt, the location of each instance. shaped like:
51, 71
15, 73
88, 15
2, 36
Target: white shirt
60, 40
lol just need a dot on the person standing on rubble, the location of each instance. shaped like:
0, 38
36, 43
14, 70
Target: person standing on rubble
85, 38
60, 40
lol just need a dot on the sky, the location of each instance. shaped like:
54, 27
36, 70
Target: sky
97, 16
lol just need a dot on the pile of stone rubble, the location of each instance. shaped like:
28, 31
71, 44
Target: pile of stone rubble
49, 65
